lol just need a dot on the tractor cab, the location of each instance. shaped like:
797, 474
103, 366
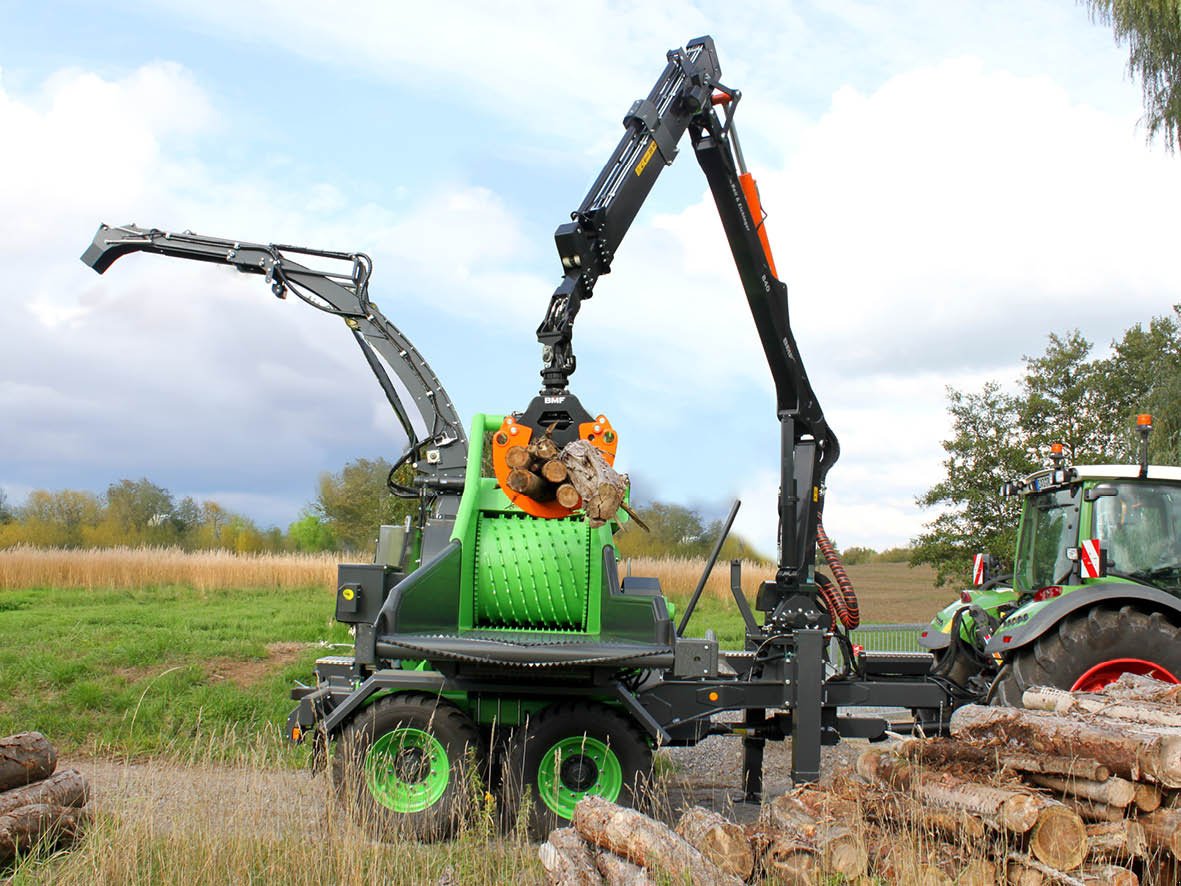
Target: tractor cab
1095, 589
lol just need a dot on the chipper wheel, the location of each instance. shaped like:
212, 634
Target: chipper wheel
1090, 649
405, 765
569, 751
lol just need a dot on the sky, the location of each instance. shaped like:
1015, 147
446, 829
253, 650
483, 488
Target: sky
946, 183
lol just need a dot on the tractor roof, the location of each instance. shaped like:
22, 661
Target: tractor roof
1129, 472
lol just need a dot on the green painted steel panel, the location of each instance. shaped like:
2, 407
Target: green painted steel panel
531, 574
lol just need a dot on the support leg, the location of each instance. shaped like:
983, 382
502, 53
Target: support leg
752, 756
805, 718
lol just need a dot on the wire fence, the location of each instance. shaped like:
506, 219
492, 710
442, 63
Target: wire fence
888, 637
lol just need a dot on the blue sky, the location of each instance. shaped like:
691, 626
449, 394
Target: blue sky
946, 184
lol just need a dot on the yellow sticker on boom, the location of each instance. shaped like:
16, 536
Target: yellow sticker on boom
347, 593
647, 156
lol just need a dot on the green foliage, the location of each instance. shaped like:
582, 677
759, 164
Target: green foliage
1152, 30
1064, 396
6, 515
856, 555
310, 533
678, 531
355, 501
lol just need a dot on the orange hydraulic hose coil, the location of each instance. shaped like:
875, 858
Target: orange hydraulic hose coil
841, 600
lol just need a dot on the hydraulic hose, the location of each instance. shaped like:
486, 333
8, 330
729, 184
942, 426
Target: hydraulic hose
841, 600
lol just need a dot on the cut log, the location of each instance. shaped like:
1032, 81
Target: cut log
528, 483
568, 496
1089, 811
544, 448
1003, 808
621, 872
1025, 871
1059, 839
1115, 791
1141, 712
602, 488
66, 788
25, 758
518, 457
24, 828
1163, 831
1148, 797
840, 850
721, 841
554, 471
978, 872
1116, 841
1127, 751
948, 753
791, 861
568, 861
1107, 875
645, 842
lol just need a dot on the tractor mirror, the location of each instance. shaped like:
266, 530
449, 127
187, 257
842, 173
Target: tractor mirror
1097, 492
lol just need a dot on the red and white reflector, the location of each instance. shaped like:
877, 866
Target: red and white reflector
1090, 555
978, 570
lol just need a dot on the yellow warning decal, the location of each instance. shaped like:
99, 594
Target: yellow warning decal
647, 156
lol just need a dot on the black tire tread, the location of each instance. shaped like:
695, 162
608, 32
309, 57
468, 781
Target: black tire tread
1084, 639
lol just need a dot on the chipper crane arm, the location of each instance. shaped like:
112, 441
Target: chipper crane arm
436, 442
686, 98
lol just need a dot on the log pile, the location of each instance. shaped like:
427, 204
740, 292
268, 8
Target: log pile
576, 475
38, 806
1078, 788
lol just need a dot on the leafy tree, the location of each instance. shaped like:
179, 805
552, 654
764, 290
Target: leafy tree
355, 501
1152, 30
57, 519
857, 555
987, 448
678, 531
310, 534
6, 515
140, 512
1063, 396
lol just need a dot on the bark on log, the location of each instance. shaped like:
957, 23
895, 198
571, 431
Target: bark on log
1011, 810
24, 828
25, 758
528, 483
544, 448
567, 860
601, 487
1116, 841
840, 850
1163, 830
1129, 752
1089, 811
645, 842
1115, 791
66, 788
1025, 871
944, 753
1059, 839
978, 872
1059, 701
621, 872
554, 471
1107, 875
721, 841
791, 861
568, 496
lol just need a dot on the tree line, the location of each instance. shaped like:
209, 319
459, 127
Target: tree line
1066, 395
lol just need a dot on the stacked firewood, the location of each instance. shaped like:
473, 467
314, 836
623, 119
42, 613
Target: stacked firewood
575, 475
38, 807
1078, 788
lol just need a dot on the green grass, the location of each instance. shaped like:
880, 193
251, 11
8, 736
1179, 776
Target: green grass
154, 671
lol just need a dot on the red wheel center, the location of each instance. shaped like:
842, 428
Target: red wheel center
1107, 672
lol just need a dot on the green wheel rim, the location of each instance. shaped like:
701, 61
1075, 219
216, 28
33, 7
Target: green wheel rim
407, 770
577, 767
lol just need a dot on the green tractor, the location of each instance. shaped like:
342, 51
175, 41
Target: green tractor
1095, 590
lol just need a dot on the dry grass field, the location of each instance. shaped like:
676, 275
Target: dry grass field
889, 592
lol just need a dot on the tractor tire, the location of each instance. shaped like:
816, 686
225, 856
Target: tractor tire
1088, 649
566, 752
405, 766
